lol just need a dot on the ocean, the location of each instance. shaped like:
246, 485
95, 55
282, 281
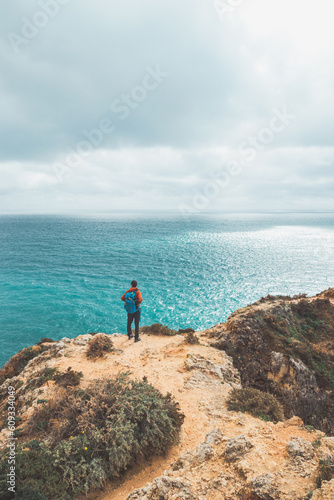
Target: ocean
62, 276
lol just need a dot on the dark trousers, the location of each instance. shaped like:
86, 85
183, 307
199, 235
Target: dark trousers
134, 316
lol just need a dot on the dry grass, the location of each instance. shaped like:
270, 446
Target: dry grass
68, 378
99, 345
191, 338
158, 329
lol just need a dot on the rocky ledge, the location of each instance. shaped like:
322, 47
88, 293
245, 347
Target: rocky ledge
279, 346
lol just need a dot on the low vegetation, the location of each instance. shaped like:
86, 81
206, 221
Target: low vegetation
68, 378
325, 470
158, 329
19, 361
99, 345
80, 438
191, 338
257, 403
40, 378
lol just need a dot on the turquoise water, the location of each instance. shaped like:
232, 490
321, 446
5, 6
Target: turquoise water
64, 275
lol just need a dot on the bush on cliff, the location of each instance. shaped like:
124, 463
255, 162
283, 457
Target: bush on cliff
99, 345
40, 378
191, 338
93, 434
70, 377
19, 361
325, 470
257, 403
158, 329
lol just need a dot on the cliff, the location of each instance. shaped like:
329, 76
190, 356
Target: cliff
279, 448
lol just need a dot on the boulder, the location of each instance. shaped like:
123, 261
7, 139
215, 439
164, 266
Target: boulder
263, 486
237, 447
299, 447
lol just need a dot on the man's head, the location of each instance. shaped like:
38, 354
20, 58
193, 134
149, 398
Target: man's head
134, 283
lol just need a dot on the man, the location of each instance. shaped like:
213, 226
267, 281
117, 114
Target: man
133, 298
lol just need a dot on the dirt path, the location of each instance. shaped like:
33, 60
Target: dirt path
164, 367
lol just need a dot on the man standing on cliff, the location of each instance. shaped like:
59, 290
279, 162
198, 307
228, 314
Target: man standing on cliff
133, 298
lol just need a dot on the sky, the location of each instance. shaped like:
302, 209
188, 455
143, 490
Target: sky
183, 106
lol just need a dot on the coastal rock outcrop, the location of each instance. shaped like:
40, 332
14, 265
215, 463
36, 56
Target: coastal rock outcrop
279, 345
285, 346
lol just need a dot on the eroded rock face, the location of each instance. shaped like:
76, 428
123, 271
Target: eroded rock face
286, 347
224, 371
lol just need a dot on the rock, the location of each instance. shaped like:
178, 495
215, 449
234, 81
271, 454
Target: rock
326, 492
273, 343
66, 340
299, 447
164, 487
329, 293
200, 380
201, 454
221, 371
57, 349
294, 421
194, 458
262, 486
82, 339
237, 447
214, 437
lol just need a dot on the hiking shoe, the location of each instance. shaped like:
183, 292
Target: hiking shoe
137, 340
130, 337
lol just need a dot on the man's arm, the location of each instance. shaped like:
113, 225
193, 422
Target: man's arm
123, 297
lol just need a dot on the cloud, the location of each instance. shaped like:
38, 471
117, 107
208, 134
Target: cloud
224, 80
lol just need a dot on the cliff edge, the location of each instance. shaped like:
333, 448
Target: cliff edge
279, 346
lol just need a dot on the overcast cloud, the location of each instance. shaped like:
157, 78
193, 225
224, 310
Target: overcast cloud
166, 105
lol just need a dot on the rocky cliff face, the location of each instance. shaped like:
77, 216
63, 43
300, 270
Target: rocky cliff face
279, 345
286, 347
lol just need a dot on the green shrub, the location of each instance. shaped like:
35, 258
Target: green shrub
68, 378
158, 329
257, 403
96, 433
36, 474
99, 345
42, 377
325, 470
29, 494
191, 338
80, 469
